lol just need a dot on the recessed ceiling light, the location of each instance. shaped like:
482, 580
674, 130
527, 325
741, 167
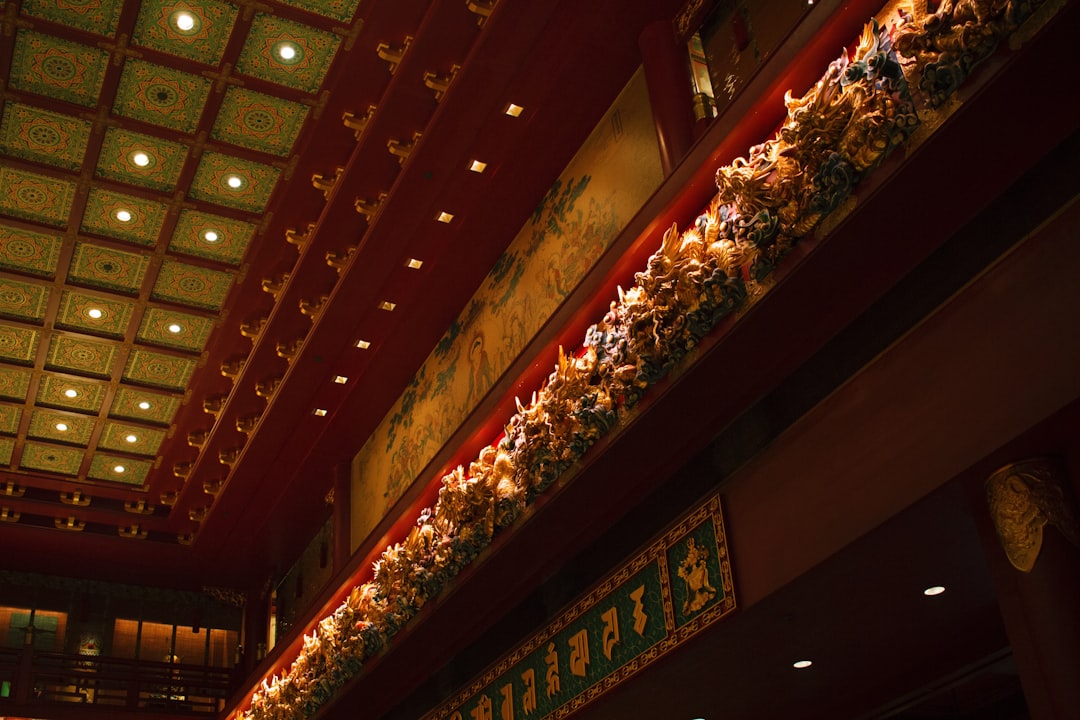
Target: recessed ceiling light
94, 313
175, 328
363, 344
934, 590
514, 110
340, 379
131, 438
415, 264
234, 181
119, 468
387, 306
184, 21
71, 392
140, 158
802, 664
211, 236
144, 405
123, 215
62, 427
320, 412
286, 52
478, 167
444, 217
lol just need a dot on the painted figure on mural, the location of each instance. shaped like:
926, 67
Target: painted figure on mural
481, 374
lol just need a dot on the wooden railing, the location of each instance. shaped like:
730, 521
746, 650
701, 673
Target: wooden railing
44, 679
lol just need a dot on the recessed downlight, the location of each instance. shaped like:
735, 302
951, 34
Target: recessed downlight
94, 313
802, 664
211, 236
144, 405
287, 52
234, 181
174, 328
444, 217
387, 306
363, 344
340, 379
184, 22
140, 158
62, 427
320, 412
477, 167
123, 215
71, 393
119, 468
131, 438
414, 264
514, 110
934, 590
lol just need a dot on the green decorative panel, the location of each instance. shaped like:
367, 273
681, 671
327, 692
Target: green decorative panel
60, 427
42, 136
123, 217
107, 268
14, 383
191, 285
93, 314
335, 9
144, 406
174, 329
150, 368
118, 469
140, 159
58, 68
18, 344
7, 447
23, 300
29, 252
82, 356
287, 53
205, 41
161, 96
35, 197
131, 439
53, 391
95, 16
10, 415
51, 458
233, 182
211, 236
259, 122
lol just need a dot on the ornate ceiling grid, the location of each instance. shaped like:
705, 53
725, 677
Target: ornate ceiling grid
140, 146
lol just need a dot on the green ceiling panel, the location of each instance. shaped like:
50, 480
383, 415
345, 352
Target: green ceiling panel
7, 447
51, 458
287, 53
341, 10
10, 415
205, 40
14, 383
42, 136
259, 122
18, 344
107, 268
118, 469
35, 197
233, 182
23, 300
82, 356
61, 427
29, 252
174, 329
141, 160
93, 314
121, 437
123, 217
211, 236
58, 68
161, 95
133, 404
151, 368
95, 16
191, 285
53, 391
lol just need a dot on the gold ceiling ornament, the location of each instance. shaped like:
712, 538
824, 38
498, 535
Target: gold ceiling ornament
297, 238
232, 367
213, 487
266, 388
185, 538
288, 349
312, 308
325, 183
75, 498
247, 423
183, 470
393, 55
338, 260
134, 532
357, 123
275, 284
213, 404
138, 507
230, 455
13, 490
198, 514
197, 438
69, 523
253, 328
169, 497
401, 149
439, 84
368, 208
9, 515
481, 8
1023, 497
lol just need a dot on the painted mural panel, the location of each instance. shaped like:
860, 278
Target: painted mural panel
609, 179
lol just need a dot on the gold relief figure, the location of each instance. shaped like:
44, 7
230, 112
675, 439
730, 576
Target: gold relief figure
694, 570
1024, 497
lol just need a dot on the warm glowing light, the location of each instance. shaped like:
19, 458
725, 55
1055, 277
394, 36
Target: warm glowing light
144, 405
131, 438
211, 236
514, 110
174, 328
363, 344
444, 217
123, 215
802, 664
62, 427
94, 313
320, 412
415, 264
184, 21
71, 392
934, 590
387, 306
478, 167
286, 52
119, 468
141, 159
340, 379
234, 181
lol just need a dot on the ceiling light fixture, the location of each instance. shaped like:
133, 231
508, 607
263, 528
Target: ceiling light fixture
234, 181
477, 167
185, 22
140, 158
175, 328
514, 110
444, 217
363, 344
802, 664
320, 412
211, 236
144, 405
71, 392
94, 313
119, 468
62, 427
131, 438
933, 590
414, 264
287, 52
340, 379
123, 215
387, 306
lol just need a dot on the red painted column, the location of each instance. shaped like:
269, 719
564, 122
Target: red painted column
342, 515
667, 77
